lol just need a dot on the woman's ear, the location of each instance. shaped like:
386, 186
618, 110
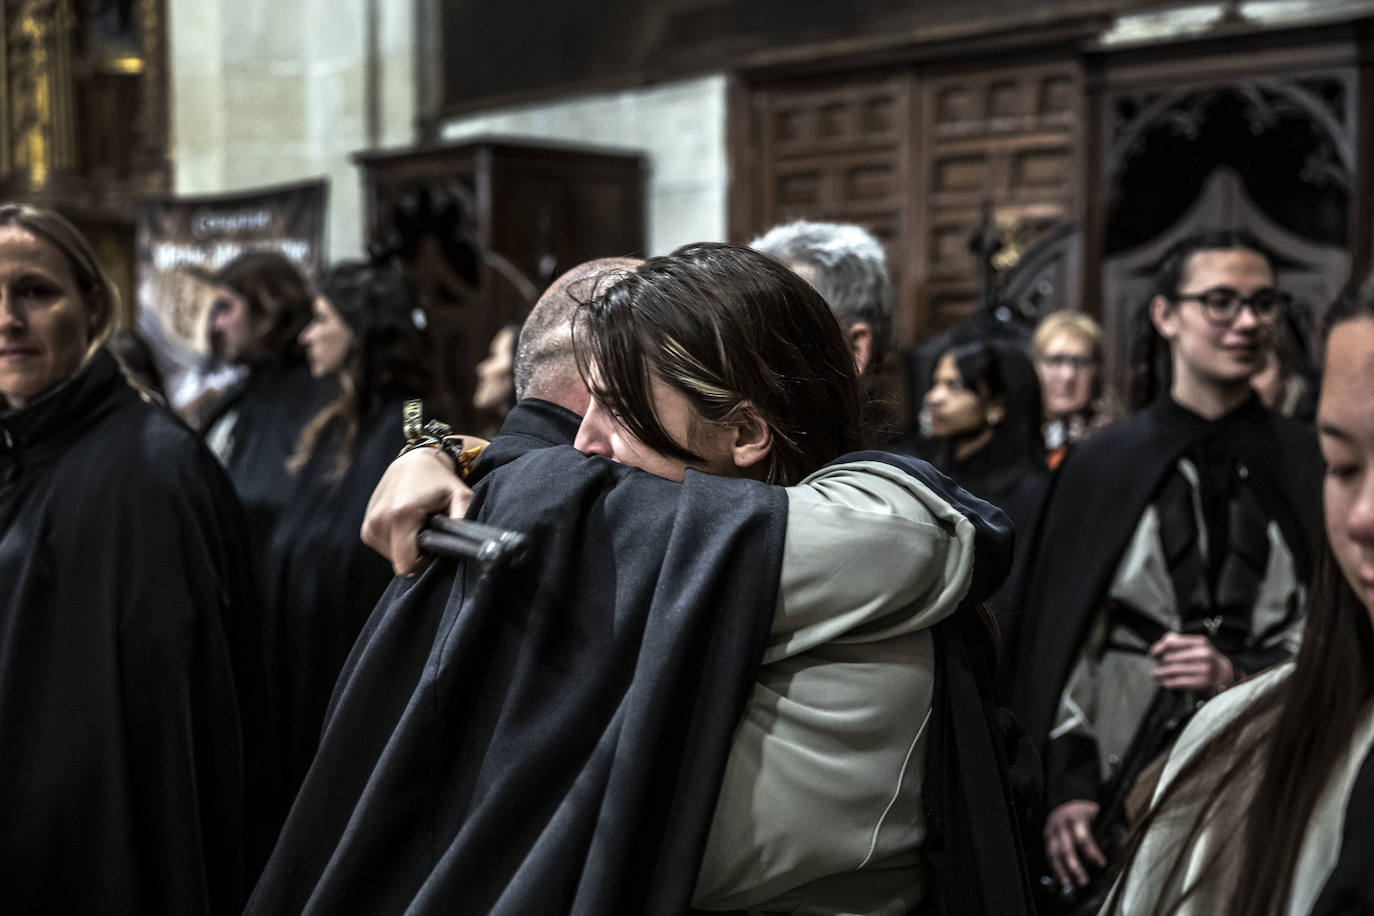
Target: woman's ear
1164, 316
98, 315
753, 439
996, 413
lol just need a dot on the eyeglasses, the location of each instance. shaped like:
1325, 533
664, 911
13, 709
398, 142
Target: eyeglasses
1066, 361
1221, 304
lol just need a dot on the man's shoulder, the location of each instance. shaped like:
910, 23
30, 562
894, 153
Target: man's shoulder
141, 442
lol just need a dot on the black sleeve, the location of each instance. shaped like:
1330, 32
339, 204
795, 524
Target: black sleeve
1070, 770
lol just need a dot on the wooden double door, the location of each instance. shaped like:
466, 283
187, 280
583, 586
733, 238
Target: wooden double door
1113, 151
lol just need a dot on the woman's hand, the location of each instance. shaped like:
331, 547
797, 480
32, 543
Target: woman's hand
1069, 836
1191, 663
417, 485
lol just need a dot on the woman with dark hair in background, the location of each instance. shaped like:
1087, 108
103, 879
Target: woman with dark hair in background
1266, 804
322, 582
262, 304
984, 413
128, 707
1290, 379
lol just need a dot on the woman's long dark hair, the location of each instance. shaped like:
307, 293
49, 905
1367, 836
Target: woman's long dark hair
1274, 760
1000, 371
732, 330
278, 297
388, 358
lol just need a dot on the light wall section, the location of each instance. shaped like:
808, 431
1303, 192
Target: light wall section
680, 126
268, 92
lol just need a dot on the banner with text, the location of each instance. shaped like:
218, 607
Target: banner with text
182, 241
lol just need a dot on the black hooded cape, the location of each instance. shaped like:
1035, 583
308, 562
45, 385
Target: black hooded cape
1095, 504
125, 627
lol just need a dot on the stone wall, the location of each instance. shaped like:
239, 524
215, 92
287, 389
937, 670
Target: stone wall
266, 92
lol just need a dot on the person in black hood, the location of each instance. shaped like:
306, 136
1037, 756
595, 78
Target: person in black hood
705, 691
128, 684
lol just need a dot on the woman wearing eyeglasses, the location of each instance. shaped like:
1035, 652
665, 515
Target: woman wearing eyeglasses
1174, 553
1067, 350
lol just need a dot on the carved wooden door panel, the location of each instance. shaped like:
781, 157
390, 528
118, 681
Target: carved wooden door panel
837, 150
912, 154
1009, 136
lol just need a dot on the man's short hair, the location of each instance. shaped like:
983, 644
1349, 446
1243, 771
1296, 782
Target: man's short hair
544, 355
847, 266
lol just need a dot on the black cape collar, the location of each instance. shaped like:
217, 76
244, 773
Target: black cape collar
59, 415
1181, 423
531, 424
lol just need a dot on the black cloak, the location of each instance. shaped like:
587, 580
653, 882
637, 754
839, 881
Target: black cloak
560, 746
1095, 504
321, 584
264, 414
1021, 495
124, 614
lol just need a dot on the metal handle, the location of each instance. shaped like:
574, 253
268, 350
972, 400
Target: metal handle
491, 546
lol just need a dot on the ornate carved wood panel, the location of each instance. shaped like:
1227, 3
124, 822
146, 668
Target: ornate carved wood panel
1269, 133
540, 209
1009, 136
912, 155
839, 151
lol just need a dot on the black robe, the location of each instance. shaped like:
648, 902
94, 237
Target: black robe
125, 622
1095, 504
322, 582
1022, 497
267, 410
560, 745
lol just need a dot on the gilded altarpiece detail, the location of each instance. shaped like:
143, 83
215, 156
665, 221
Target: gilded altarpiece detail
84, 114
37, 137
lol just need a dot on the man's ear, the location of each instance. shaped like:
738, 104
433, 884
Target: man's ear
1164, 316
753, 440
859, 336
